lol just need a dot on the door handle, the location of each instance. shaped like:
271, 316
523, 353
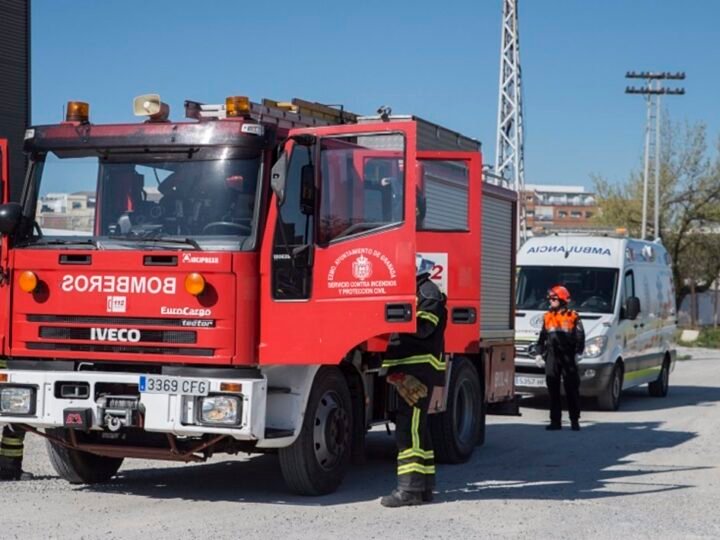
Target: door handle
464, 315
398, 312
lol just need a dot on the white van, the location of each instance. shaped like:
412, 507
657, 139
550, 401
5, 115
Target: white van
623, 290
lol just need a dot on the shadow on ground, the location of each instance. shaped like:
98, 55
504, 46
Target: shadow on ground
519, 461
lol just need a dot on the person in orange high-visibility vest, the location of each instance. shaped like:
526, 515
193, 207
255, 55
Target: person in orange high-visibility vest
561, 341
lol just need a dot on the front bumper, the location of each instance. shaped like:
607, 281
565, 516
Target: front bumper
530, 379
161, 413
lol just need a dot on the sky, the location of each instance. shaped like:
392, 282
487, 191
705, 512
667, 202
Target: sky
437, 59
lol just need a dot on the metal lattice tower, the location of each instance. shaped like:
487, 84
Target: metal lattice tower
509, 148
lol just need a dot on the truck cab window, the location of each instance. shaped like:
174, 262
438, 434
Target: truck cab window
294, 229
362, 185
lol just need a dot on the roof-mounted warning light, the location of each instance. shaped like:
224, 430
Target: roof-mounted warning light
151, 105
78, 111
237, 106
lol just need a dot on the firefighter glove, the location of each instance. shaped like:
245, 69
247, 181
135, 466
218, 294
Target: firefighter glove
539, 361
409, 387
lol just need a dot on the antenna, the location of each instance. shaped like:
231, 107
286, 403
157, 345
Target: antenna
509, 148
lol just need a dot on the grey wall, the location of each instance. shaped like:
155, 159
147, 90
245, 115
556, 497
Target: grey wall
15, 84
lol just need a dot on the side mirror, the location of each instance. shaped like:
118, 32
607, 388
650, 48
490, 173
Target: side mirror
632, 308
277, 178
10, 217
307, 190
302, 256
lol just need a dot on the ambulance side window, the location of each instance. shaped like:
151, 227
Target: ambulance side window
628, 287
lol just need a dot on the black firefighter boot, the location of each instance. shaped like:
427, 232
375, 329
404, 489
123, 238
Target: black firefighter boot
400, 497
11, 469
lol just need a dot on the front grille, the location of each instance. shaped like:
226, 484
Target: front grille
157, 336
125, 321
522, 349
77, 347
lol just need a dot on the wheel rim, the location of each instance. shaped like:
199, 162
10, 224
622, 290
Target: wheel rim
464, 412
330, 430
616, 386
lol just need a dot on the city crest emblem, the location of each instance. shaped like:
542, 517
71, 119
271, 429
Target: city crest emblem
362, 268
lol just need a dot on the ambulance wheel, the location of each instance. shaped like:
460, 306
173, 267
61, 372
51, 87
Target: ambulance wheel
317, 461
609, 400
80, 467
457, 431
659, 388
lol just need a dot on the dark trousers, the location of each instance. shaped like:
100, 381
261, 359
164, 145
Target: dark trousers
565, 369
12, 447
416, 459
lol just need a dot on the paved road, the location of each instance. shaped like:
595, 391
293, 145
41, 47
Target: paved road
651, 470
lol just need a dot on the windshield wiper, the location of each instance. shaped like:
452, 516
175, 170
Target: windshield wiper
57, 242
154, 238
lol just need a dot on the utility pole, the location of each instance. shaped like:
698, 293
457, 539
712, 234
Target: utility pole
652, 91
509, 148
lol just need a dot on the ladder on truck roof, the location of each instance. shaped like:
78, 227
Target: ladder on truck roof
297, 113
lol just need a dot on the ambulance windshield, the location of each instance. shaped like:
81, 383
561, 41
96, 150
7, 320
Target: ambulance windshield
207, 195
592, 289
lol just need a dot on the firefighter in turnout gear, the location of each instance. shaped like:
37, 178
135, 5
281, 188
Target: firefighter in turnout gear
561, 341
415, 365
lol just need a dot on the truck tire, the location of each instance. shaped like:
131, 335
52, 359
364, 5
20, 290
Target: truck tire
609, 399
457, 431
317, 461
659, 388
80, 467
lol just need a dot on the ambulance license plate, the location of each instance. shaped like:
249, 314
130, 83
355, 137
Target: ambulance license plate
162, 384
532, 382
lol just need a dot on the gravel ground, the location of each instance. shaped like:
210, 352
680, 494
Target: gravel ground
650, 470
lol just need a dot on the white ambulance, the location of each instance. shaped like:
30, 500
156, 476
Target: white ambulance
623, 290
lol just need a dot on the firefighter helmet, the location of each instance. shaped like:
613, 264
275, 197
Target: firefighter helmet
561, 292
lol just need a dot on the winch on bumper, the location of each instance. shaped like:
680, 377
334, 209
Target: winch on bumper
183, 406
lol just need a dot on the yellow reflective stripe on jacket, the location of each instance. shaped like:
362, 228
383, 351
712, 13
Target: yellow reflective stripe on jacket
416, 468
414, 452
5, 452
428, 316
418, 359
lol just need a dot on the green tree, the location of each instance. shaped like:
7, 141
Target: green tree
689, 202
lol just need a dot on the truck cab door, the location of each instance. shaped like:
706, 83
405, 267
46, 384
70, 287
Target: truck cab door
338, 256
4, 252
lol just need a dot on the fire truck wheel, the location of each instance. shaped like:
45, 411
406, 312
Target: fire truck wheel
457, 431
317, 461
80, 467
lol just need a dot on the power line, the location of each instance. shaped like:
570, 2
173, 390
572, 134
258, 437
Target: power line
652, 91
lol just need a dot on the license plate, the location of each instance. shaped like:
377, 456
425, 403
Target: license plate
533, 382
161, 384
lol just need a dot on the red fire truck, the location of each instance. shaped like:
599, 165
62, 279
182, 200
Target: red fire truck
175, 290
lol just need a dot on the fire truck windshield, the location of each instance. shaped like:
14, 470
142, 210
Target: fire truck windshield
200, 197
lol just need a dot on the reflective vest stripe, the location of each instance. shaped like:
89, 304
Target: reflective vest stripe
419, 359
434, 319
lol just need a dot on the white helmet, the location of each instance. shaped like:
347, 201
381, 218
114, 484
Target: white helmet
422, 266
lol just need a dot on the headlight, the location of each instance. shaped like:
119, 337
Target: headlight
223, 410
17, 400
594, 347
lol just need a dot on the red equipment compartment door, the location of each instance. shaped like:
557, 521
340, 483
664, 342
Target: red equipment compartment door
4, 251
338, 259
449, 235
